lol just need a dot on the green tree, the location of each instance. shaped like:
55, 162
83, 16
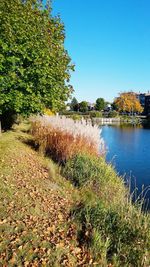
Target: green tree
74, 104
83, 106
100, 104
34, 65
114, 106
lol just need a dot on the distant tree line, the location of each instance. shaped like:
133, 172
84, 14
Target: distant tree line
84, 106
126, 102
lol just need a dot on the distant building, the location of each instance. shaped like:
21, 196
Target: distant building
147, 104
108, 108
144, 99
141, 98
68, 108
91, 106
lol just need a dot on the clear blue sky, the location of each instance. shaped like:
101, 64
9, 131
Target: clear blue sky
109, 42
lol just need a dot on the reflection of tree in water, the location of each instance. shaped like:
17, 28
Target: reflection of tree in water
126, 126
146, 124
130, 127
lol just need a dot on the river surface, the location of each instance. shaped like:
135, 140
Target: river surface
128, 148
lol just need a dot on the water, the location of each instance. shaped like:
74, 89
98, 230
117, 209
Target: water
128, 148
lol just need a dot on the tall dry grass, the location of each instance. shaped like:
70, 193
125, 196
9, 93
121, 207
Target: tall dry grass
63, 138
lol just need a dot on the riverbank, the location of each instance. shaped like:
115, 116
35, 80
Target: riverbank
84, 219
104, 118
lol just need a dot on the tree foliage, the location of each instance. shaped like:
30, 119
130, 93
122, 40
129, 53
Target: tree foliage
127, 102
83, 106
100, 104
74, 104
35, 67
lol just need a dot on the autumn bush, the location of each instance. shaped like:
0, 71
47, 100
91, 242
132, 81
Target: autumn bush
48, 112
63, 138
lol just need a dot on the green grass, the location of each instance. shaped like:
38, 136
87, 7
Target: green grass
93, 173
113, 229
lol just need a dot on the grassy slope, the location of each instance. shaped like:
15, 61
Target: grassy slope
36, 226
36, 229
116, 231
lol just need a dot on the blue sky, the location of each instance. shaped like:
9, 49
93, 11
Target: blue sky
109, 42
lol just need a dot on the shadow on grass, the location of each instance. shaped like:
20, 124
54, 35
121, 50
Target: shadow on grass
27, 131
29, 141
32, 144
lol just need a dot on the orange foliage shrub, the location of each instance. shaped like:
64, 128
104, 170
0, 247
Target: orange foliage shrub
128, 102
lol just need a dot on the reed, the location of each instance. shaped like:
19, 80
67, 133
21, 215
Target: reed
63, 138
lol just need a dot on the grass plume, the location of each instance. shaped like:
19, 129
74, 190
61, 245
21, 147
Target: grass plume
63, 138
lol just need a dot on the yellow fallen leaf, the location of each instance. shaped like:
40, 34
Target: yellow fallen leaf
60, 245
